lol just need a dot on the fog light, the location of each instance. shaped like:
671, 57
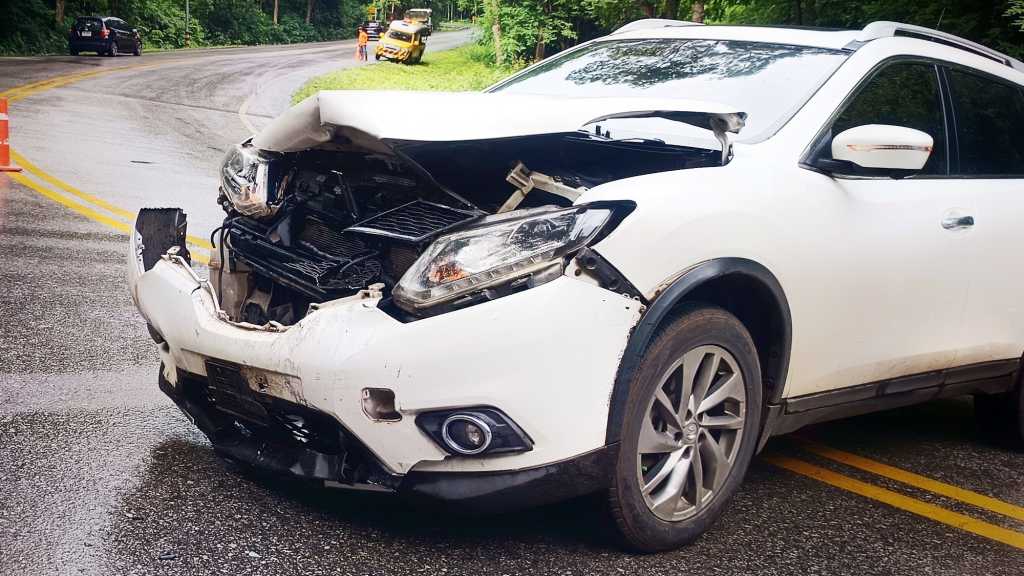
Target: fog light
466, 434
474, 431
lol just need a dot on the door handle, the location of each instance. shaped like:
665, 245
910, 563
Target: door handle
957, 222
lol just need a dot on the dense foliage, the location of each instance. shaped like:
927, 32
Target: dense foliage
35, 26
529, 29
513, 30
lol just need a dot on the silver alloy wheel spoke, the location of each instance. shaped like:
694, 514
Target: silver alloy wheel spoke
714, 457
730, 389
655, 442
666, 469
698, 480
691, 432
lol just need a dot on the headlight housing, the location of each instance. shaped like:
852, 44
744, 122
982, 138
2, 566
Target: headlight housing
245, 180
526, 246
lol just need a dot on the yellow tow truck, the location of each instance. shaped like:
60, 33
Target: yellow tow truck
404, 42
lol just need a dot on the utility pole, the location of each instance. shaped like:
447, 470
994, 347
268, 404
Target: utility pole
187, 35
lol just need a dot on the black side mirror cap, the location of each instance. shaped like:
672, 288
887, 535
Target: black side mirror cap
834, 167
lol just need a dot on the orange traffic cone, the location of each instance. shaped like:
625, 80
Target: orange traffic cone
5, 148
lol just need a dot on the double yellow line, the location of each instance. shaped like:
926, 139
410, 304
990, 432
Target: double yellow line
903, 502
57, 190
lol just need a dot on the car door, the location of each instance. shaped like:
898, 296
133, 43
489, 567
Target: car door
117, 29
989, 129
892, 291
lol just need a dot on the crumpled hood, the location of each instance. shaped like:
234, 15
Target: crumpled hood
375, 121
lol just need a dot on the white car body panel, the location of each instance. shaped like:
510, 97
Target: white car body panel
356, 114
575, 334
890, 296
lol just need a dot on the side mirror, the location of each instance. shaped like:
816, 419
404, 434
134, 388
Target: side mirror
878, 150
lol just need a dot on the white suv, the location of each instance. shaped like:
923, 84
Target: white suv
620, 270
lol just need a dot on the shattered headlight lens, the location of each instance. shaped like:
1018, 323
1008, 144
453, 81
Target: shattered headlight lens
525, 245
245, 180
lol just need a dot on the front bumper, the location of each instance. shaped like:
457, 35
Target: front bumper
547, 357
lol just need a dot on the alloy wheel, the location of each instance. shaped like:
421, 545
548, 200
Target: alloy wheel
691, 433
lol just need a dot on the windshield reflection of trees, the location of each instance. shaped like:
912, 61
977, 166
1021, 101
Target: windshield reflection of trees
646, 63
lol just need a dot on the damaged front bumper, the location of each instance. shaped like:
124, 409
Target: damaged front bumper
290, 399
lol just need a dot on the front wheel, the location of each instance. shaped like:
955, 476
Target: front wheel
138, 48
690, 429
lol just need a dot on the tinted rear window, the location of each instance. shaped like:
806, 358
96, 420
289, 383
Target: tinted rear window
94, 24
989, 125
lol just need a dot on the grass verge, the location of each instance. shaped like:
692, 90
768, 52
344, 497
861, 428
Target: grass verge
463, 69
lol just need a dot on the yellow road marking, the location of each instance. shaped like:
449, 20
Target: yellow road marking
64, 201
95, 201
906, 503
915, 480
26, 90
54, 181
86, 211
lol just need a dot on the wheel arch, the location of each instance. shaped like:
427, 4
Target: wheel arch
743, 287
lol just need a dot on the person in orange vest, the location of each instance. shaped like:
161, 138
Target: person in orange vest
361, 43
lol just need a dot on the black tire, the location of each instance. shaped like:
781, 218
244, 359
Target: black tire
1000, 417
73, 52
138, 48
695, 330
112, 51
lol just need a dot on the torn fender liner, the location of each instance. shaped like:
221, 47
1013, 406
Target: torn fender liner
157, 231
351, 119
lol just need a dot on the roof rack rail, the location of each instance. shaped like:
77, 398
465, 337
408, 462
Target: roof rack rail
885, 29
648, 23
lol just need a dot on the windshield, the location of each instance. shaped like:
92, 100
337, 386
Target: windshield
400, 36
769, 82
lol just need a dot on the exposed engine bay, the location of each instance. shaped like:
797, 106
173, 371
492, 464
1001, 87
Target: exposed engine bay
334, 222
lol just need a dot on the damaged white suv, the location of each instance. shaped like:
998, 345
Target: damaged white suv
621, 269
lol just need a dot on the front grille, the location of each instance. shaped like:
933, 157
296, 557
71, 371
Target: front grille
414, 222
323, 264
319, 235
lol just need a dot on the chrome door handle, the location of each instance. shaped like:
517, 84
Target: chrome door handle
958, 222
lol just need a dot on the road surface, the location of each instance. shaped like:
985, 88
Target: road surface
102, 475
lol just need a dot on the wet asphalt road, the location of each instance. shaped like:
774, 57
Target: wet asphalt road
101, 474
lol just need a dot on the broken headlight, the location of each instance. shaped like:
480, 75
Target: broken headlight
245, 180
526, 245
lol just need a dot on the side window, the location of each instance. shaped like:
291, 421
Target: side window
989, 125
905, 94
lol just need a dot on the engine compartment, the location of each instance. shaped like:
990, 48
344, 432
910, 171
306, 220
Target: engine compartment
341, 221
